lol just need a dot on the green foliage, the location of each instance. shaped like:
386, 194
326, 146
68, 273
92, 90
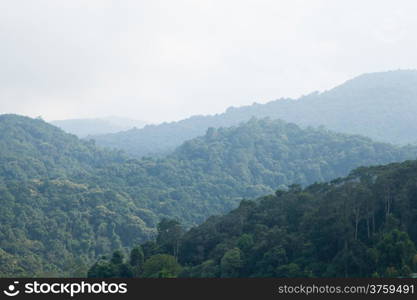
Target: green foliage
117, 258
169, 237
396, 252
161, 266
231, 263
137, 258
102, 269
115, 268
54, 220
359, 226
145, 260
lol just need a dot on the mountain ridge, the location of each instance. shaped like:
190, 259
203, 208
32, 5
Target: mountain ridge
94, 126
378, 105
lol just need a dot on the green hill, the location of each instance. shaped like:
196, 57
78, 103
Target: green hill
32, 148
359, 226
51, 220
362, 225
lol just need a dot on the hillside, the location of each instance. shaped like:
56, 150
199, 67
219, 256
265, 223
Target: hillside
359, 226
65, 201
51, 222
381, 106
31, 148
211, 174
85, 127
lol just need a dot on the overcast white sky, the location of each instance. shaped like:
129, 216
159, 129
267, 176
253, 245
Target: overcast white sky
163, 60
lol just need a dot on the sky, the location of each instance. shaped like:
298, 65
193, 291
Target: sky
165, 60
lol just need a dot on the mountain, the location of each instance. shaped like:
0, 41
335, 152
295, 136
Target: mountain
85, 127
66, 202
362, 225
213, 173
381, 106
32, 148
53, 219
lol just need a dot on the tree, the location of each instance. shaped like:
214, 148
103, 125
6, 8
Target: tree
161, 266
117, 257
395, 253
231, 263
136, 260
102, 269
169, 236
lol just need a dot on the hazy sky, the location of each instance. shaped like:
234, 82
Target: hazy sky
166, 60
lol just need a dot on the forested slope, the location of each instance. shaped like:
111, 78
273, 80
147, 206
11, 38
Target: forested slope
51, 222
359, 226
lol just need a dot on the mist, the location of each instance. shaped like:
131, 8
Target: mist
167, 60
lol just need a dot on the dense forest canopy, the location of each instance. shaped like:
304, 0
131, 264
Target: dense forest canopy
32, 148
51, 222
381, 106
65, 201
359, 226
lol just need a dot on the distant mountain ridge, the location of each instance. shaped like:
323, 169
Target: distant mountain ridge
85, 127
381, 106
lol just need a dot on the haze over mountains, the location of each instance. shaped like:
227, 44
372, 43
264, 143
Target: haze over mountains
85, 127
381, 106
222, 139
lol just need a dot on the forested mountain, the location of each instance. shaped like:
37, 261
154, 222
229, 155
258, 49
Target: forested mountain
32, 148
51, 220
359, 226
381, 106
211, 174
85, 127
65, 202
